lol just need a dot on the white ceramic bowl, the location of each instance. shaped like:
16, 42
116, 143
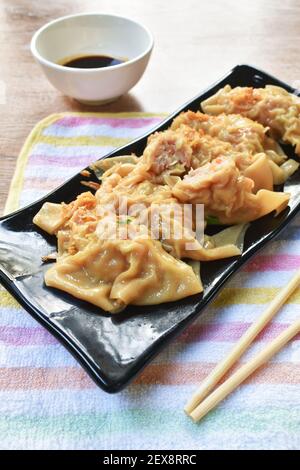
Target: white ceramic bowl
93, 33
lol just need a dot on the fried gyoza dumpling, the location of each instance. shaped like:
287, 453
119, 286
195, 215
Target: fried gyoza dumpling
242, 133
205, 148
242, 138
226, 194
114, 273
166, 151
272, 106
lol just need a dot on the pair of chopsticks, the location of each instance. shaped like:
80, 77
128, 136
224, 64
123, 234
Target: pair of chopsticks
202, 401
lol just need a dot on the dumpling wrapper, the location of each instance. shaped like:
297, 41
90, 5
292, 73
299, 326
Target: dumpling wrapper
101, 166
272, 106
230, 240
227, 194
178, 238
224, 244
192, 249
261, 173
114, 273
50, 217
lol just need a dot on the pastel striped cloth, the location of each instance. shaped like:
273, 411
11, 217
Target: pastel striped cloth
48, 402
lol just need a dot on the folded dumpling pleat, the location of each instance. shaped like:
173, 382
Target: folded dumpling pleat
227, 194
113, 273
271, 106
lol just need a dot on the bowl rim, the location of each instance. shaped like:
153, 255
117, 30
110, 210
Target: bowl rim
59, 67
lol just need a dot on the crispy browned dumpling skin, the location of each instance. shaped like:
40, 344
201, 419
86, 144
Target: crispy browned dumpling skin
272, 106
227, 194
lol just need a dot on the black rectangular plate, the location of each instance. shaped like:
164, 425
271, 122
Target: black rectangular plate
114, 348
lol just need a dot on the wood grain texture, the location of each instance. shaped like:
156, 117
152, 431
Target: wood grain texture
195, 43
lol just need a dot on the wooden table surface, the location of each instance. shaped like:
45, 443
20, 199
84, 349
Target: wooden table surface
196, 42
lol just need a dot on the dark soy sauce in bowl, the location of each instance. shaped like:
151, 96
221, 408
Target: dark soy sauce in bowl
91, 62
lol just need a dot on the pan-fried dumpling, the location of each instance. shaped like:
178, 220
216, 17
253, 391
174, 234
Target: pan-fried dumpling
241, 139
52, 217
114, 273
227, 194
242, 133
260, 166
272, 106
165, 152
206, 148
144, 192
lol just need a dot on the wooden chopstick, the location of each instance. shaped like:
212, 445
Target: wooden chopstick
238, 377
220, 370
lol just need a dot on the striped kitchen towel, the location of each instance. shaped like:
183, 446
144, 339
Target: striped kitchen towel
47, 401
